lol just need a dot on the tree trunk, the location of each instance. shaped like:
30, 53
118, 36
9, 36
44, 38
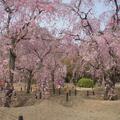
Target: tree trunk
9, 86
53, 84
110, 85
12, 59
110, 91
29, 81
53, 88
7, 95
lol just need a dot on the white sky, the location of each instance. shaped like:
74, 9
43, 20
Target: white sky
66, 1
60, 23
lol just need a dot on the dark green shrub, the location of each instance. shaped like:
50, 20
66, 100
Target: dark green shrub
86, 83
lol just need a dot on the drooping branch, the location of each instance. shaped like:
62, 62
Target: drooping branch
117, 11
24, 29
84, 19
111, 52
40, 56
9, 11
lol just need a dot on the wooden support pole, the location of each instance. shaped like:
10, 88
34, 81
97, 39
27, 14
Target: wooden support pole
67, 97
87, 93
40, 95
31, 89
69, 92
20, 118
59, 91
21, 89
75, 92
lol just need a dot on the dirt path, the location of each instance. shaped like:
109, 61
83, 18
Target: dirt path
55, 109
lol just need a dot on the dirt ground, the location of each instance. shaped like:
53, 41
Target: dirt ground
80, 107
55, 108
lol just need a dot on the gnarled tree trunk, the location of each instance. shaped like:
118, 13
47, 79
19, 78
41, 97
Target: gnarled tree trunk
110, 90
53, 84
29, 82
12, 59
8, 94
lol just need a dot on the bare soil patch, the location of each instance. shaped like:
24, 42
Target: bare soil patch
79, 107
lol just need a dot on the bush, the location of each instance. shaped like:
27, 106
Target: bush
86, 82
